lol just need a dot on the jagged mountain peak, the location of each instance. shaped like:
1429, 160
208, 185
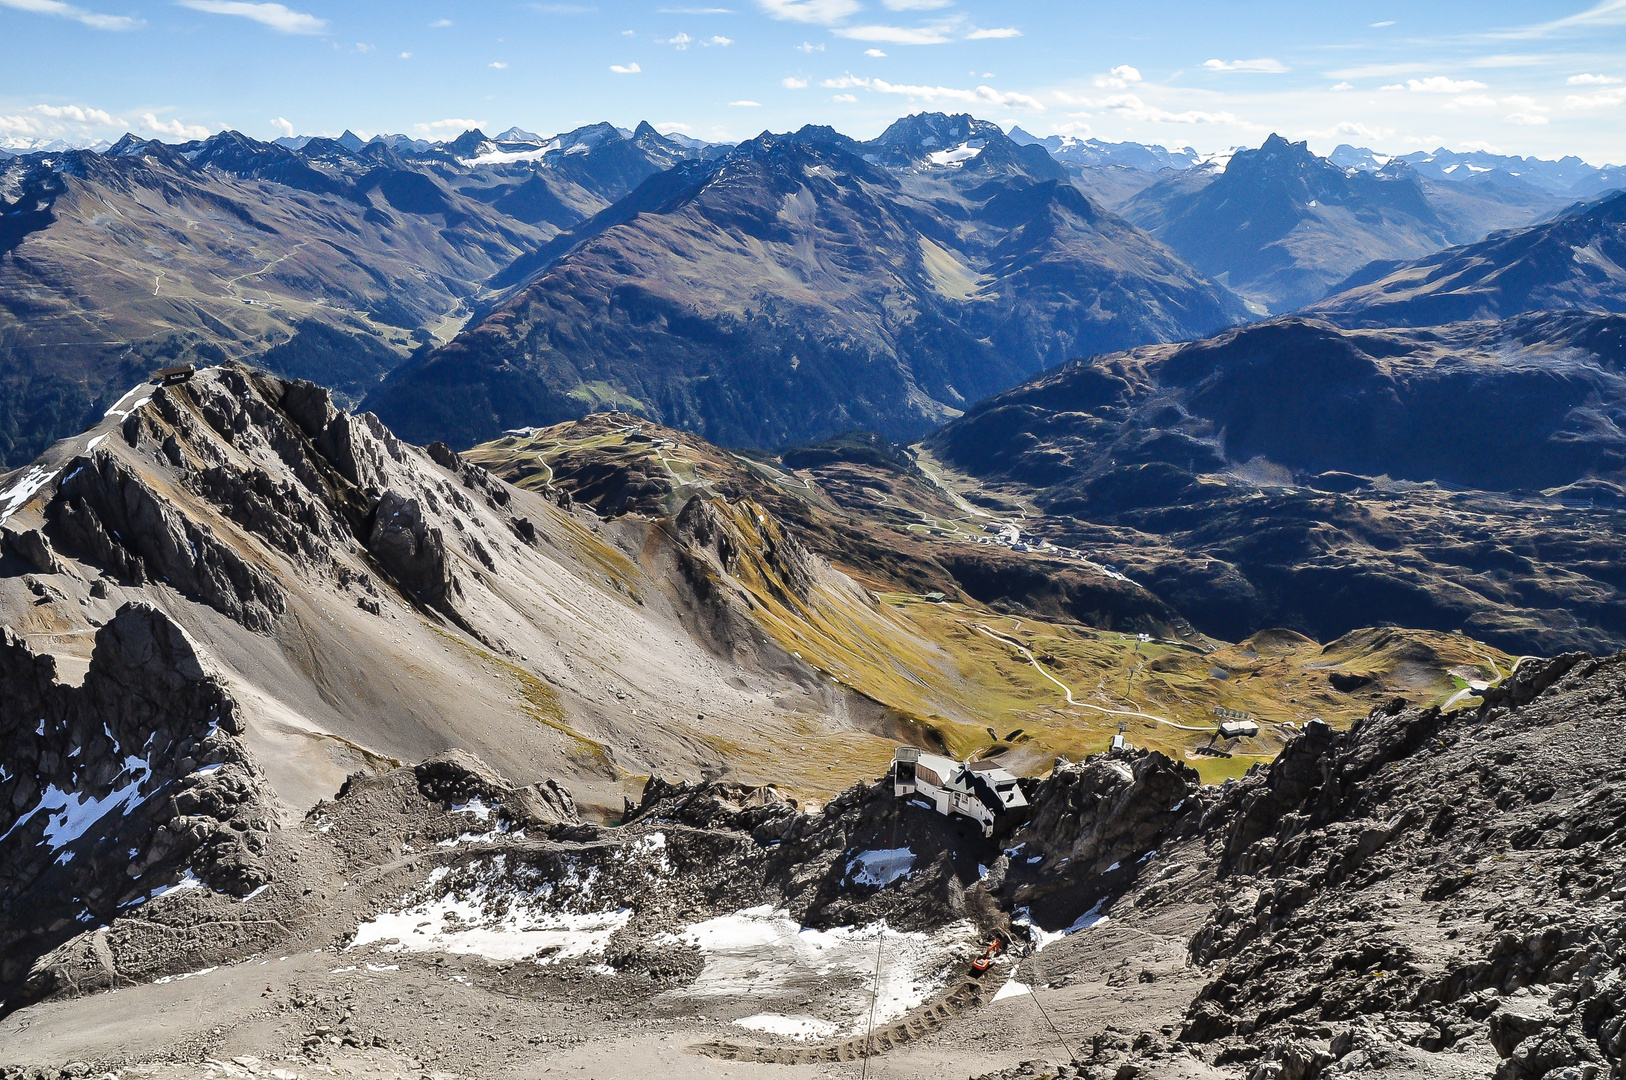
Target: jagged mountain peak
926, 132
518, 134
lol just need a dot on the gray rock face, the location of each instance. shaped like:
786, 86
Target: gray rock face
1097, 819
1431, 883
411, 550
113, 788
457, 777
34, 547
110, 515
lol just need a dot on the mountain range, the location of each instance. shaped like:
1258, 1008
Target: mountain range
1281, 226
1575, 261
807, 284
1291, 473
355, 255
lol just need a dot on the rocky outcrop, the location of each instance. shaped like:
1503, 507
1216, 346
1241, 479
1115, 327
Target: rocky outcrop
1093, 826
106, 513
114, 788
411, 550
458, 777
740, 540
1430, 883
34, 548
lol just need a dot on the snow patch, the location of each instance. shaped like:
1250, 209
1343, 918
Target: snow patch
182, 978
470, 926
474, 806
70, 814
881, 867
761, 954
795, 1025
1042, 937
955, 156
1012, 989
12, 499
496, 919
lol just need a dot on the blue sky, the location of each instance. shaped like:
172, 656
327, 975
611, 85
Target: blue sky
1546, 78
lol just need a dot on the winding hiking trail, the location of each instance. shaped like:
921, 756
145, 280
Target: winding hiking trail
1068, 691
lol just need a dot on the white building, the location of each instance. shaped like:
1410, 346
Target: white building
1236, 729
979, 790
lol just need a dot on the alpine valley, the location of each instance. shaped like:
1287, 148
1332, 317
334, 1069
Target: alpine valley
616, 605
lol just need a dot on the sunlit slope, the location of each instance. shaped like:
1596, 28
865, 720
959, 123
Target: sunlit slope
948, 671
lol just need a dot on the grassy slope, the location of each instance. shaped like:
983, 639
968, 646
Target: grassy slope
947, 672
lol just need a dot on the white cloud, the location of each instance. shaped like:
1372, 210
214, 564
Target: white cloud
439, 23
1344, 86
21, 125
1132, 106
1607, 13
282, 125
809, 47
877, 53
498, 64
846, 99
1438, 84
77, 14
995, 32
625, 69
1381, 25
151, 123
683, 41
1526, 118
1603, 99
276, 16
810, 11
897, 35
1118, 78
1262, 66
745, 104
790, 82
363, 47
666, 127
916, 5
982, 95
1472, 101
451, 123
78, 115
1358, 130
406, 56
1590, 80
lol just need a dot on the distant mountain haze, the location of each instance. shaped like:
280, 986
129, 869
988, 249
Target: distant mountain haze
1280, 225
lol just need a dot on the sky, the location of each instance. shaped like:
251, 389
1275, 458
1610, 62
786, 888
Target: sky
1539, 77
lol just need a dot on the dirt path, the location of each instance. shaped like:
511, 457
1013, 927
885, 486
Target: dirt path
231, 283
1068, 691
968, 993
